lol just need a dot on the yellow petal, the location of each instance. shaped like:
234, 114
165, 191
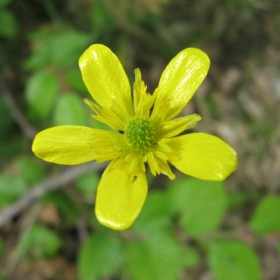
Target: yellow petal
143, 101
120, 195
72, 145
106, 80
203, 156
179, 81
178, 125
107, 117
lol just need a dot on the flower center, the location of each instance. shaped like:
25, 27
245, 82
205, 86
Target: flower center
139, 133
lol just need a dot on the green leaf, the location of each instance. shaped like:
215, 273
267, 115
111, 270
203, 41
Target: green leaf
100, 255
38, 242
30, 169
88, 183
74, 79
101, 20
266, 218
8, 24
71, 110
61, 48
41, 55
190, 257
237, 198
155, 256
11, 187
202, 204
4, 3
233, 260
155, 214
66, 47
40, 93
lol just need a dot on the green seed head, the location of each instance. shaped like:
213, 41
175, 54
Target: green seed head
139, 133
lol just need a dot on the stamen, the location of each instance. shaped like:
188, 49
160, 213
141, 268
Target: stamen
139, 133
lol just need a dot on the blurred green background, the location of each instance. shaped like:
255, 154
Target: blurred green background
188, 229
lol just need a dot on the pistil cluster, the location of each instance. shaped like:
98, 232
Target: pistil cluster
139, 133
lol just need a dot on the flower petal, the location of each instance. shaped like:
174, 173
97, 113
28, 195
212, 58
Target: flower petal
72, 145
158, 164
203, 156
178, 125
142, 100
179, 81
120, 195
106, 117
106, 80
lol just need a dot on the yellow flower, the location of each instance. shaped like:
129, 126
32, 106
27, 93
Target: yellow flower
144, 132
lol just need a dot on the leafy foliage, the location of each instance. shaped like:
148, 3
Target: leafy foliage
74, 79
233, 260
266, 218
3, 3
70, 110
157, 256
30, 169
100, 255
190, 257
88, 183
8, 24
201, 204
42, 88
155, 215
11, 187
61, 48
176, 231
38, 242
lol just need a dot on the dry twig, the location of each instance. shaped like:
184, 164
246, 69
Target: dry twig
50, 184
28, 130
